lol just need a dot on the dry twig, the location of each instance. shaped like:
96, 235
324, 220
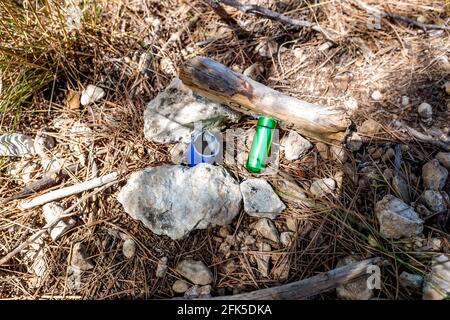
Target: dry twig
267, 13
68, 191
422, 137
311, 286
375, 11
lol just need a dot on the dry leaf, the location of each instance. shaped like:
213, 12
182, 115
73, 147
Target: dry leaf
73, 100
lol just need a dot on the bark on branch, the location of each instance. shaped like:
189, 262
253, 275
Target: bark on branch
269, 14
219, 83
311, 286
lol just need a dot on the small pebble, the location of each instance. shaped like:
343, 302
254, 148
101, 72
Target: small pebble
377, 95
162, 267
405, 101
91, 94
286, 238
180, 286
129, 248
354, 142
425, 110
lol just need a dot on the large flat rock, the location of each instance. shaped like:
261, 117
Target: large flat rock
173, 200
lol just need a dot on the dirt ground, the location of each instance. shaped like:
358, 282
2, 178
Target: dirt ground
46, 53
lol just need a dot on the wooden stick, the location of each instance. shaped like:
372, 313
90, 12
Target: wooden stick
267, 13
382, 14
421, 136
229, 20
219, 83
49, 179
68, 191
65, 214
311, 286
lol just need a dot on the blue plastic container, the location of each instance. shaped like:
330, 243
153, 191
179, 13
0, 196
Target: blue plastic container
204, 148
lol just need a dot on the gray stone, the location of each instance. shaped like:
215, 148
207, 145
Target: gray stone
16, 145
129, 248
91, 94
260, 200
286, 238
180, 286
444, 159
435, 200
53, 211
267, 229
425, 110
410, 280
225, 248
354, 142
339, 153
321, 187
434, 175
405, 101
369, 127
436, 244
437, 283
397, 219
292, 224
354, 290
198, 291
79, 258
249, 240
204, 291
195, 271
295, 146
161, 268
377, 95
170, 116
174, 200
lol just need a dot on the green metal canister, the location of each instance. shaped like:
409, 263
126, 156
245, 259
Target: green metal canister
262, 141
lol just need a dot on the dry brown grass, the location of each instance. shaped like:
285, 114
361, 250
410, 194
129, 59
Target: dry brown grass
397, 60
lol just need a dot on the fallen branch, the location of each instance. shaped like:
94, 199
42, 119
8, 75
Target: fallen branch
68, 191
311, 286
375, 11
49, 179
225, 16
421, 136
65, 214
217, 82
267, 13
